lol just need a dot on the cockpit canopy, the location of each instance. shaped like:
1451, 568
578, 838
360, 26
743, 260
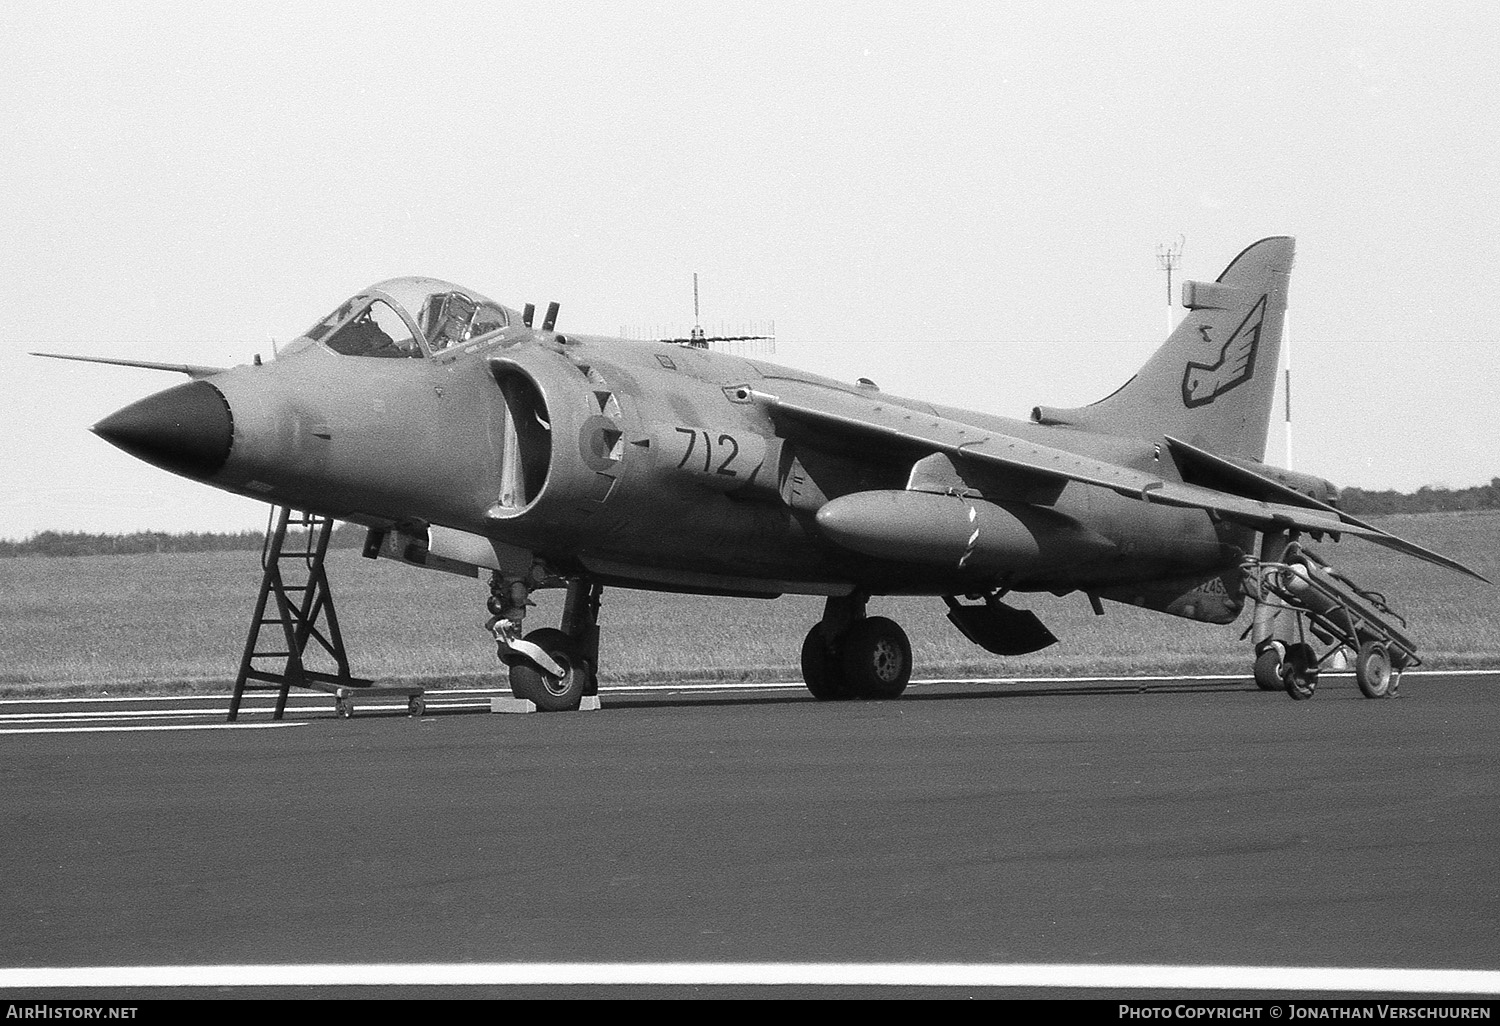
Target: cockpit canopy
410, 318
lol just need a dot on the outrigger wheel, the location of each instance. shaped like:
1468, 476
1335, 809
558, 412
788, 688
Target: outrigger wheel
1290, 668
1373, 671
547, 691
1299, 671
1268, 668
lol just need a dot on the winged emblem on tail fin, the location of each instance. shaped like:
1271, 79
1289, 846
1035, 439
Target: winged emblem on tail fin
1203, 383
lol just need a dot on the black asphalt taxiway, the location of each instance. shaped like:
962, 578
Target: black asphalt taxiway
1105, 822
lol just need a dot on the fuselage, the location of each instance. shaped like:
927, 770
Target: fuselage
468, 441
651, 464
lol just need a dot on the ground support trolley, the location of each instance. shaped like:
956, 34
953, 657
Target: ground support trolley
344, 695
1333, 609
296, 602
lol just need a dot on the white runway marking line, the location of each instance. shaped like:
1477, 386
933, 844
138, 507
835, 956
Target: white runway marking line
318, 702
168, 726
454, 698
1120, 679
833, 974
104, 715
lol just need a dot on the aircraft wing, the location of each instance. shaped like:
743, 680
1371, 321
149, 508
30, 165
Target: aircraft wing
191, 370
1251, 481
856, 418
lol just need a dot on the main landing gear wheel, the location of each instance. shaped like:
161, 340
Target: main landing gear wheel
548, 692
870, 659
876, 658
1268, 669
1299, 671
1372, 670
821, 667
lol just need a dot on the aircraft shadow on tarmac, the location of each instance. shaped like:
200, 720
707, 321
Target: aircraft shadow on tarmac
1121, 690
686, 697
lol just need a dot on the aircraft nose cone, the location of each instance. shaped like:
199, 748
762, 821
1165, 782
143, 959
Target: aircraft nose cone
187, 429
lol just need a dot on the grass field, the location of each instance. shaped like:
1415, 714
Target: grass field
160, 622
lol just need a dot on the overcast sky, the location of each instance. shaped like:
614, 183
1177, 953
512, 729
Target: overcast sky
911, 173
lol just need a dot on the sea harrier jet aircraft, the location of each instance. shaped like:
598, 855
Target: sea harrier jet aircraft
465, 439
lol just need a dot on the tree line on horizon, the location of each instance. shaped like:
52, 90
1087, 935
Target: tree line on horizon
1355, 501
1427, 499
81, 543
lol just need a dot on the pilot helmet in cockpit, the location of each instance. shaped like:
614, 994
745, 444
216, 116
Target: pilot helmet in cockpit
449, 319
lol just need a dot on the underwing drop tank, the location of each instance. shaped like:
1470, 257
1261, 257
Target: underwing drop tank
950, 532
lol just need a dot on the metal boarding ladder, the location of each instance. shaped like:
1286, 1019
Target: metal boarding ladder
304, 611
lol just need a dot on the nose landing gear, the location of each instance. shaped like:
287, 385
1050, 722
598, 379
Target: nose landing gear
555, 670
551, 691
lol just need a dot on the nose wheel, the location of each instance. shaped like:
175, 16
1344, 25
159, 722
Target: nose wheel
553, 669
551, 692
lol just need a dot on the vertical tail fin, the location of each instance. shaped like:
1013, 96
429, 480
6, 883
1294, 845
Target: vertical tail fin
1212, 382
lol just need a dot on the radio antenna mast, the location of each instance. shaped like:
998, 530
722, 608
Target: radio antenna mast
696, 338
699, 339
1169, 258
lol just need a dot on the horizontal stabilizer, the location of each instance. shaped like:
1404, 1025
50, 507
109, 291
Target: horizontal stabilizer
191, 370
1253, 480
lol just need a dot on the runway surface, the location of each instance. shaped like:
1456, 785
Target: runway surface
1140, 822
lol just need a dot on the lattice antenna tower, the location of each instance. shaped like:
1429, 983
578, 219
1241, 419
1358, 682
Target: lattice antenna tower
1169, 258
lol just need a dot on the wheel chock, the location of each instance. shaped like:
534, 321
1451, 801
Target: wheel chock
512, 705
589, 703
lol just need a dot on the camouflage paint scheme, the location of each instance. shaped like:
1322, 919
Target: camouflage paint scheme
480, 443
